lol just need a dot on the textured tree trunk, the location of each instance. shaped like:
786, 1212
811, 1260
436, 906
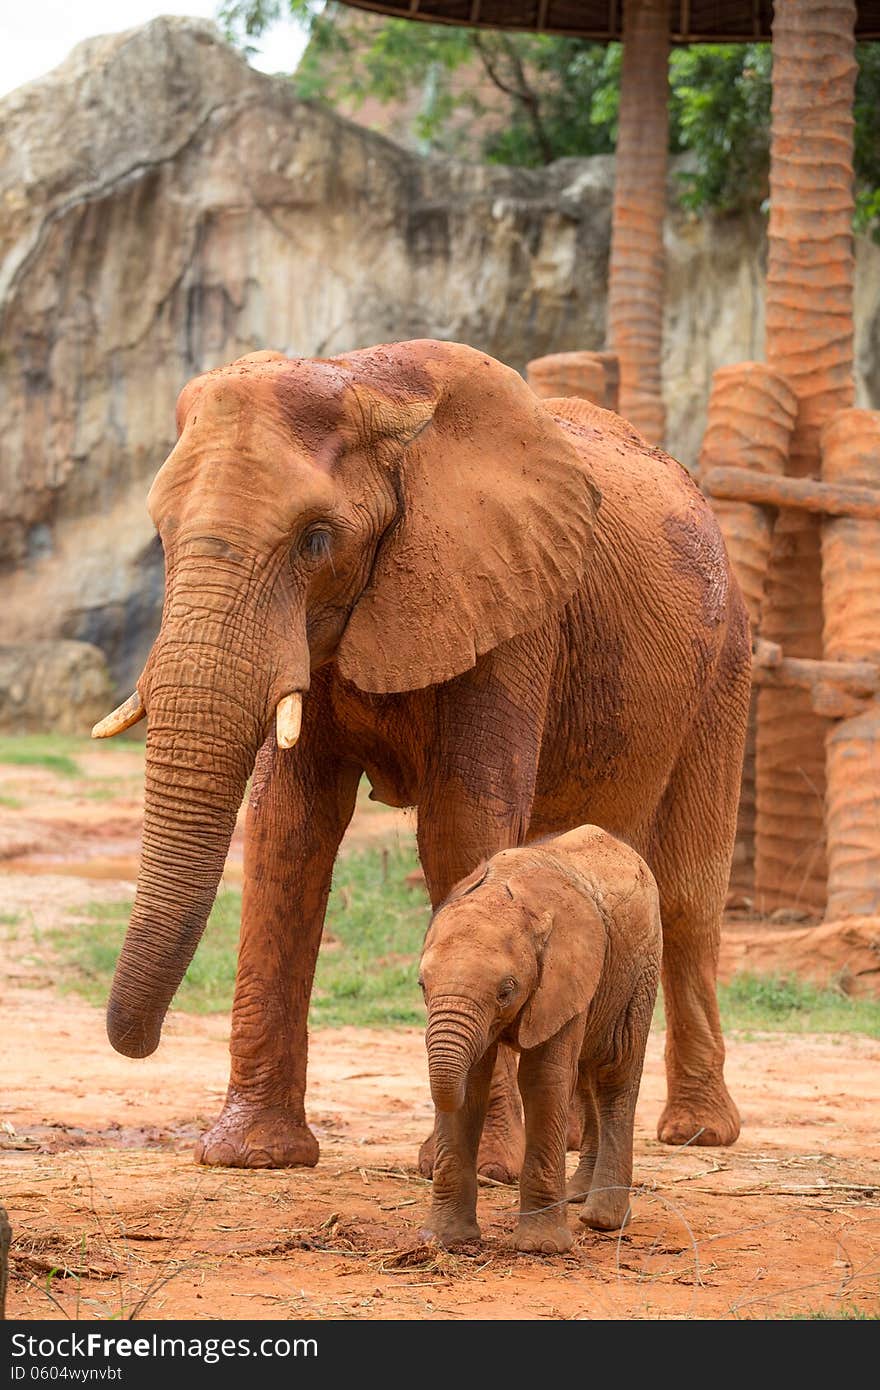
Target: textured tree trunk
751, 415
594, 376
636, 280
809, 340
851, 585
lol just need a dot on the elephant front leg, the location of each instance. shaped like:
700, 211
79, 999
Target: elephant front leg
546, 1075
296, 820
480, 784
454, 1199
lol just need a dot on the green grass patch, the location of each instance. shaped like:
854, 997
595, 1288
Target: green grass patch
780, 1003
752, 1004
367, 968
54, 752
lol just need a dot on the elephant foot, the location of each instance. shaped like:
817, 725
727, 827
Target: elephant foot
252, 1136
450, 1229
606, 1211
542, 1237
501, 1152
577, 1189
711, 1121
500, 1155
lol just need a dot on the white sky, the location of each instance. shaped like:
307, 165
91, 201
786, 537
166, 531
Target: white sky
36, 35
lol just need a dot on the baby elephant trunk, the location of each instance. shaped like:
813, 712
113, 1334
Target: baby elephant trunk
456, 1038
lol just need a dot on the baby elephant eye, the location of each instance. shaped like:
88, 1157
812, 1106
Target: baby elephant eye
315, 545
506, 990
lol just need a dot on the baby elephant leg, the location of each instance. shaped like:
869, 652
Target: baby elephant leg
457, 1138
616, 1090
546, 1074
581, 1180
607, 1206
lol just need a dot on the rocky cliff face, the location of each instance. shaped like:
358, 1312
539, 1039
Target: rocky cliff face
166, 208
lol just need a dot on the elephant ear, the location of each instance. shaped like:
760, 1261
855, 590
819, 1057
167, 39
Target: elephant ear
494, 525
569, 969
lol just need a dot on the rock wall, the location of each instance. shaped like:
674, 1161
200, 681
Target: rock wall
166, 208
63, 686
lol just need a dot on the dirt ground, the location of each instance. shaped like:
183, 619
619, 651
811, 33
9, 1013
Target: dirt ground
111, 1216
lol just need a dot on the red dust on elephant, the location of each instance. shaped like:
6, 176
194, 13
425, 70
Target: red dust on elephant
512, 614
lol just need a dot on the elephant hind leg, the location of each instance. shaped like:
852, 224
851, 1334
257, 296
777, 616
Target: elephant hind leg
690, 856
585, 1114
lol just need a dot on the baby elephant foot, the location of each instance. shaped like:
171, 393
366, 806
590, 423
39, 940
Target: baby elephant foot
251, 1136
577, 1189
542, 1237
710, 1121
450, 1229
606, 1211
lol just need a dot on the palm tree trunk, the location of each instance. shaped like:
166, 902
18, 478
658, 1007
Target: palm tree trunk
636, 280
809, 340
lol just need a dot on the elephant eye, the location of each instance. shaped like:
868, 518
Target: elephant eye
506, 991
315, 545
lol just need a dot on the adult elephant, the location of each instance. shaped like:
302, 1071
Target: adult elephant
406, 547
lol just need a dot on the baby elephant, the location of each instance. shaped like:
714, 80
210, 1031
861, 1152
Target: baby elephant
555, 949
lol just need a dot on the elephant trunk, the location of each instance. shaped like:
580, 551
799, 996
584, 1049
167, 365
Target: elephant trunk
207, 716
456, 1038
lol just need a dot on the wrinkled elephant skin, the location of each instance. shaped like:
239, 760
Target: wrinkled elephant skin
513, 614
554, 949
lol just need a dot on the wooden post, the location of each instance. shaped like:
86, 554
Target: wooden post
594, 376
804, 494
752, 411
809, 340
851, 582
637, 269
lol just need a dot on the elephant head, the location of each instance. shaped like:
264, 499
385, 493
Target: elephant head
517, 950
398, 511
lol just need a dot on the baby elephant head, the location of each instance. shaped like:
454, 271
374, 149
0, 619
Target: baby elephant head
517, 950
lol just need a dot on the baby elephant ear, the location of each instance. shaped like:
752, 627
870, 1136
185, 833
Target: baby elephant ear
569, 969
496, 511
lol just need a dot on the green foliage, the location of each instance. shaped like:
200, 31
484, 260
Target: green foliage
867, 140
366, 968
578, 105
49, 751
560, 96
720, 111
770, 1003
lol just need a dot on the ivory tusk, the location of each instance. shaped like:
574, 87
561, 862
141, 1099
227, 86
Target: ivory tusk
131, 712
288, 719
